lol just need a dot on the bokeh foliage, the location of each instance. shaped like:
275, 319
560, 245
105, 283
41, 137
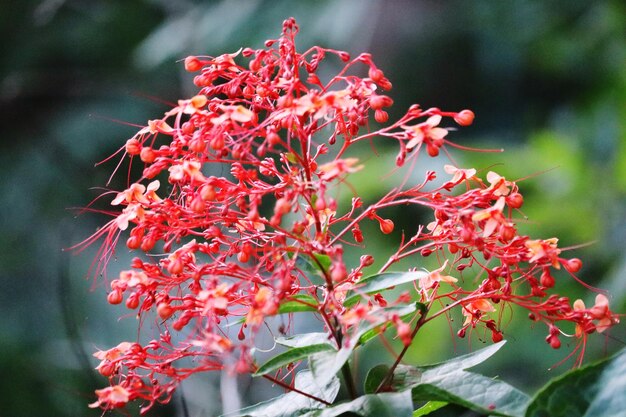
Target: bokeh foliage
546, 80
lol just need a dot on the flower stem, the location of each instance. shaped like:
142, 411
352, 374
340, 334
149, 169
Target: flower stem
385, 383
294, 389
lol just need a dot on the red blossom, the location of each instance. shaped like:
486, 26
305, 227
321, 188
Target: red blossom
232, 245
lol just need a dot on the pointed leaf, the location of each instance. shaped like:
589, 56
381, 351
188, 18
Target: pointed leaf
293, 404
379, 282
290, 356
464, 361
476, 392
593, 391
449, 382
388, 404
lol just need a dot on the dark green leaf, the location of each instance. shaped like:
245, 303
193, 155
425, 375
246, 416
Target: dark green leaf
290, 356
374, 377
476, 392
379, 282
449, 382
293, 404
388, 404
593, 391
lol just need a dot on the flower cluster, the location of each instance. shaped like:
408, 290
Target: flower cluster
247, 222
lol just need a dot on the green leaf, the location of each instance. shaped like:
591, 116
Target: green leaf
376, 283
298, 303
428, 408
302, 346
443, 409
374, 377
290, 356
464, 361
476, 392
388, 404
593, 391
304, 339
293, 404
325, 365
448, 382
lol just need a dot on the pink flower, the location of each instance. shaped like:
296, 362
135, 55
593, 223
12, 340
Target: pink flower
111, 397
427, 281
427, 132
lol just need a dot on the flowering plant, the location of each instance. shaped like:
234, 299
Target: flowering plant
227, 252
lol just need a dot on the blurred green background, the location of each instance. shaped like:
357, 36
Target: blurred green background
547, 81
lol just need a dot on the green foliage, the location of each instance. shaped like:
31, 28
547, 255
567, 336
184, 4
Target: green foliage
593, 391
445, 388
302, 346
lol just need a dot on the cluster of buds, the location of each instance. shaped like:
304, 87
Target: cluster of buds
250, 164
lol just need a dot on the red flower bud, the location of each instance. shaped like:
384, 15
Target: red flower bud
464, 117
164, 310
386, 226
192, 64
377, 102
381, 116
375, 74
367, 260
132, 302
546, 280
573, 265
115, 297
515, 200
133, 147
147, 155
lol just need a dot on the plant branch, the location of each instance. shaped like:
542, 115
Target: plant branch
294, 389
389, 377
